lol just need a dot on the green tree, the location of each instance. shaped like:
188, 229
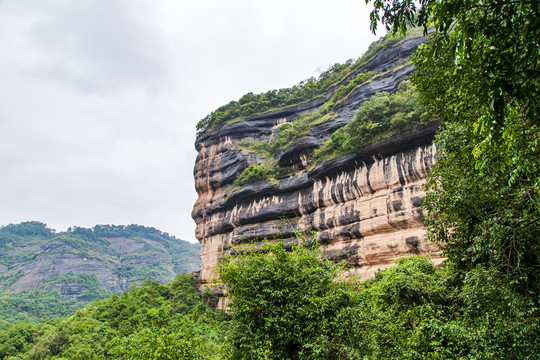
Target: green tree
284, 304
482, 68
151, 321
479, 218
480, 75
158, 344
293, 304
18, 338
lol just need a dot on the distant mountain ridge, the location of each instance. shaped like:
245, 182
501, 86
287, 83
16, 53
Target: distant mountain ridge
84, 264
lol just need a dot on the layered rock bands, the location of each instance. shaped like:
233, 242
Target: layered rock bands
365, 207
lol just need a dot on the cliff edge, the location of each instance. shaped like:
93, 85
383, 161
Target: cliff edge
263, 176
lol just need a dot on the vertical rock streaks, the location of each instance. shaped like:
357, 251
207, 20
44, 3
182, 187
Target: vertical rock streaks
369, 203
365, 207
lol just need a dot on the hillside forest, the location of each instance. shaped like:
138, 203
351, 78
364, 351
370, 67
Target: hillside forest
479, 75
44, 273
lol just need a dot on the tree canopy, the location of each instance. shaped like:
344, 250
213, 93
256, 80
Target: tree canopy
480, 75
481, 67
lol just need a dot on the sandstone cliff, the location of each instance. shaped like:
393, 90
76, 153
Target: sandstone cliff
365, 206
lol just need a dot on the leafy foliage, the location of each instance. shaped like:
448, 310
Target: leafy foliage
479, 218
28, 228
159, 344
290, 302
34, 305
480, 75
151, 321
425, 313
379, 117
301, 126
295, 304
282, 302
257, 172
484, 193
337, 76
490, 81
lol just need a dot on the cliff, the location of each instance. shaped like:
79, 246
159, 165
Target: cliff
265, 175
83, 264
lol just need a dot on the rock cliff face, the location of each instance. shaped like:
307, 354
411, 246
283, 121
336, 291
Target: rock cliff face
364, 206
83, 264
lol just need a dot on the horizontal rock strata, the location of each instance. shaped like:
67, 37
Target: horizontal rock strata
365, 207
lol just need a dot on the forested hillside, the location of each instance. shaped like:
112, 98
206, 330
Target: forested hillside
151, 321
292, 303
45, 273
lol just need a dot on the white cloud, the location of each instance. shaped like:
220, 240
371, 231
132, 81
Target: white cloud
94, 46
99, 99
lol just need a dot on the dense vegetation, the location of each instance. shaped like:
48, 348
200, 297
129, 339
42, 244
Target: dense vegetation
150, 321
32, 284
338, 75
296, 305
46, 301
484, 193
34, 305
266, 170
379, 117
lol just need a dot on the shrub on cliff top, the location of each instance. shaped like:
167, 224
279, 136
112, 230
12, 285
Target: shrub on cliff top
304, 91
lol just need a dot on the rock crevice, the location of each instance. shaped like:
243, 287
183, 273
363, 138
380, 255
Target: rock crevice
365, 207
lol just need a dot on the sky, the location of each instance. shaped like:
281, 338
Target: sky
99, 99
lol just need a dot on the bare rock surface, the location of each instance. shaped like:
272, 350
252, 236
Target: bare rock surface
365, 207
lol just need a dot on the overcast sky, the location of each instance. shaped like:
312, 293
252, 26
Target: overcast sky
99, 98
